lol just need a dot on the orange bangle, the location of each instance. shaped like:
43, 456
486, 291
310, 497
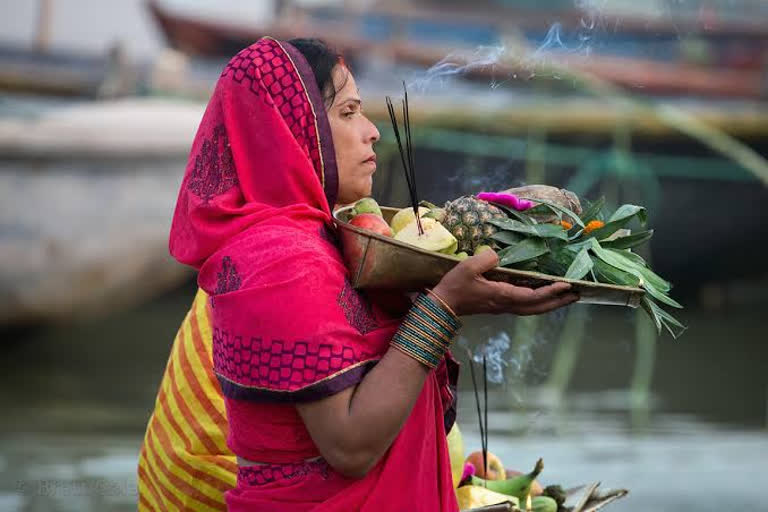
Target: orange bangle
440, 299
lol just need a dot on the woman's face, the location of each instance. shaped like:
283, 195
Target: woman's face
353, 138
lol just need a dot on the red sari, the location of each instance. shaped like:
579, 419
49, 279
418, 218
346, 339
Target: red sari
254, 216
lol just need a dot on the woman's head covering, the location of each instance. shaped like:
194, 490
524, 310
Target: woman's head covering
263, 151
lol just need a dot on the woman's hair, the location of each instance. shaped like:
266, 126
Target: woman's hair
322, 59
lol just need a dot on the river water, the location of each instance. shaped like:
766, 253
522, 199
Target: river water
76, 398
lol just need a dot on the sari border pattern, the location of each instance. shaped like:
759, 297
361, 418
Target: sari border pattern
325, 387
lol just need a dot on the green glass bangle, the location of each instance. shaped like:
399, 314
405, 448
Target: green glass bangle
413, 350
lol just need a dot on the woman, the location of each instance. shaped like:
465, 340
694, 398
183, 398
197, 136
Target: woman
335, 399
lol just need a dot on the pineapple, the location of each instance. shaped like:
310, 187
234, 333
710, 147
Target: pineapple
467, 219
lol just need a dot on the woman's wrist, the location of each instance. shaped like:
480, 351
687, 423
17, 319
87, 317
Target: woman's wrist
445, 299
427, 331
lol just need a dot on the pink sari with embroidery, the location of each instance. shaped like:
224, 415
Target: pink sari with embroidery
254, 216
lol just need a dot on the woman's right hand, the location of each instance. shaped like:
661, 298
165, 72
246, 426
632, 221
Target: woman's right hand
467, 292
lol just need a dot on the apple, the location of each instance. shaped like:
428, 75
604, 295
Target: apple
495, 466
367, 205
371, 222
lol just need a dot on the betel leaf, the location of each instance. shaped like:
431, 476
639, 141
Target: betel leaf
557, 209
629, 241
618, 220
581, 265
537, 230
528, 249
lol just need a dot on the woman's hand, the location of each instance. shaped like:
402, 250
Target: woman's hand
467, 292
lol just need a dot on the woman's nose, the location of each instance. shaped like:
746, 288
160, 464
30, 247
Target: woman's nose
373, 133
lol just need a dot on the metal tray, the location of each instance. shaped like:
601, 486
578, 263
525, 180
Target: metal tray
377, 261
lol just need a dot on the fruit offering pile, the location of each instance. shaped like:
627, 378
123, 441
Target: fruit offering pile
480, 484
535, 228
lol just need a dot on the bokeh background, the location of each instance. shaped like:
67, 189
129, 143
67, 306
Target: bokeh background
660, 103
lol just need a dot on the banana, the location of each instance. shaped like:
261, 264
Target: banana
519, 486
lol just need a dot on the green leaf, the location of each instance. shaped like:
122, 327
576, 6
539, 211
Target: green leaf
662, 318
538, 230
580, 266
557, 209
618, 220
653, 284
609, 274
634, 257
556, 263
507, 237
541, 209
593, 209
528, 249
627, 211
629, 241
522, 217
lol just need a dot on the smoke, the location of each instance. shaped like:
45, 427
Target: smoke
523, 57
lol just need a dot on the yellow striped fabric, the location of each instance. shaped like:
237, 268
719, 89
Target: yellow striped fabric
184, 462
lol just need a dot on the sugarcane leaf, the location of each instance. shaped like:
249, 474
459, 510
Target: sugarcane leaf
629, 241
581, 265
507, 237
537, 230
557, 209
528, 249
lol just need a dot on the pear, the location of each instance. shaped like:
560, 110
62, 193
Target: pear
404, 217
435, 238
367, 205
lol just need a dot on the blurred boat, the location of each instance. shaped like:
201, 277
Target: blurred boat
722, 59
60, 73
86, 199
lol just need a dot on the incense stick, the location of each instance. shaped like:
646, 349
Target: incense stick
406, 154
485, 420
479, 413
